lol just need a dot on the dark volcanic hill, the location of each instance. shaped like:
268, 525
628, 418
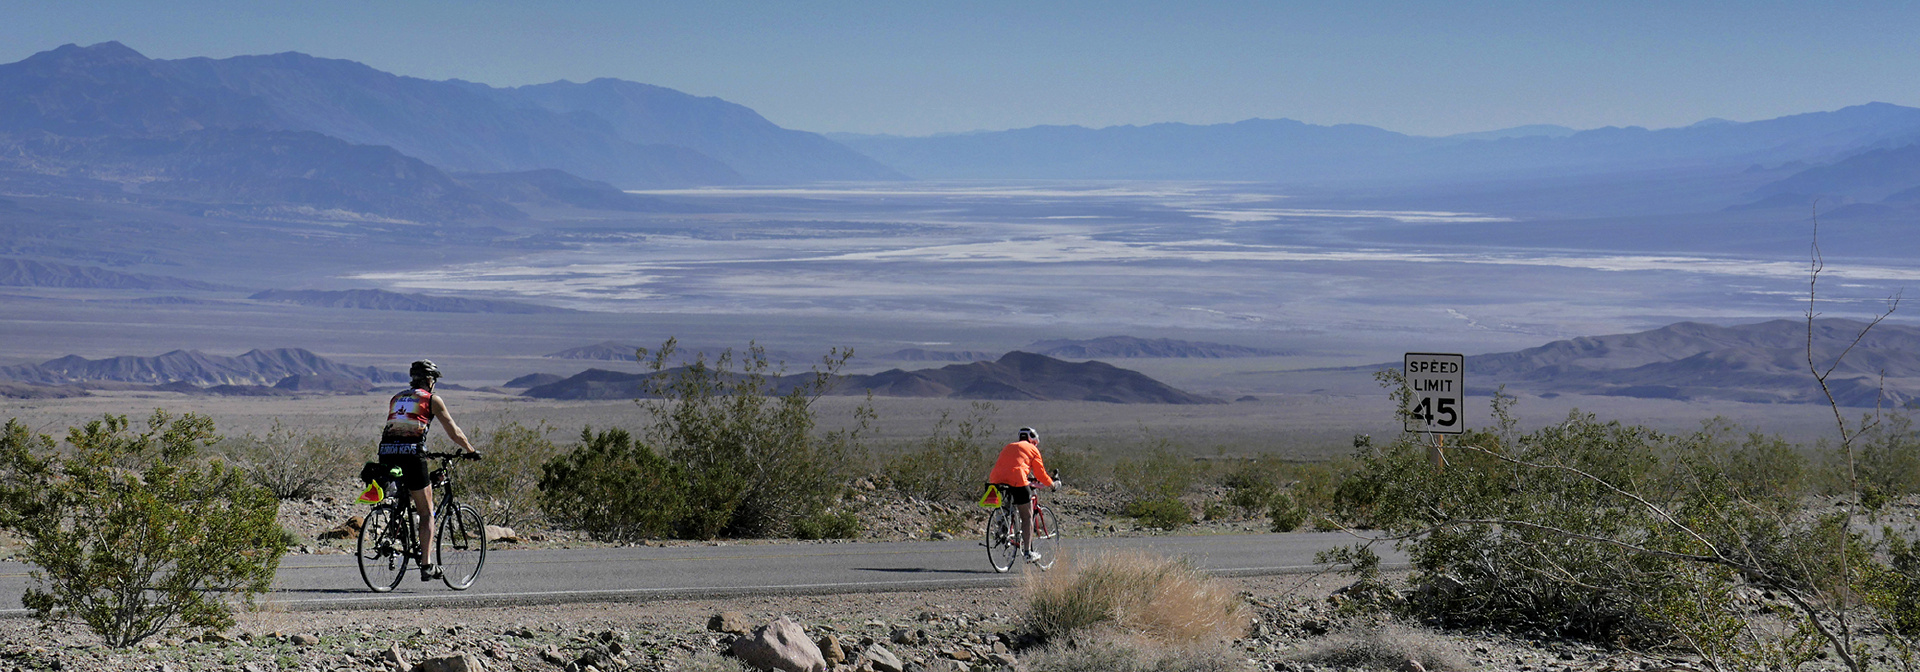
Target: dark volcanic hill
29, 273
380, 299
1763, 362
1128, 346
255, 368
1020, 376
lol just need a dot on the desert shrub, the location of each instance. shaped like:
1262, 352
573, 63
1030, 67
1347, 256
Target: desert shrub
505, 484
1164, 599
828, 525
613, 488
949, 465
753, 460
1119, 653
953, 523
1388, 647
1163, 474
293, 465
1889, 457
1617, 533
1285, 514
1214, 510
708, 661
1164, 514
132, 534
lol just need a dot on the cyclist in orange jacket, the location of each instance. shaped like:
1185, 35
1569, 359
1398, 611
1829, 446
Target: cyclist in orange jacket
1015, 472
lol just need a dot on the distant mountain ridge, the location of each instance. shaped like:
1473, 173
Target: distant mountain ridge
30, 273
1016, 376
634, 135
1764, 362
256, 368
380, 299
1287, 150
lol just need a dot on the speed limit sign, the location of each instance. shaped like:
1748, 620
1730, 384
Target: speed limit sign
1438, 383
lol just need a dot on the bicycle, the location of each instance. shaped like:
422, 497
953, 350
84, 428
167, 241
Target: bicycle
388, 543
1003, 531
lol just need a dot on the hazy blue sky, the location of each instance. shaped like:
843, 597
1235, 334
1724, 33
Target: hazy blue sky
916, 68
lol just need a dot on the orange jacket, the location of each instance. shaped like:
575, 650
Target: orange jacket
1018, 464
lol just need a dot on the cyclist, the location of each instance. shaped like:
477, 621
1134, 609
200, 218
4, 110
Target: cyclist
1014, 473
409, 415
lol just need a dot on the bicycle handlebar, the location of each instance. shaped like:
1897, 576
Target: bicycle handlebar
448, 456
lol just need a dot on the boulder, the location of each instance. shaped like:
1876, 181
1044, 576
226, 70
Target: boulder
728, 621
780, 645
346, 530
880, 659
460, 663
502, 533
304, 640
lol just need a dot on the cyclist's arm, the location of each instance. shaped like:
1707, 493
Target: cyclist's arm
446, 422
1040, 470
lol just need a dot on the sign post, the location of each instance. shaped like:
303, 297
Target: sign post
1439, 393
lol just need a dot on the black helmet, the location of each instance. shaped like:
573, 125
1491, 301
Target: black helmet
423, 369
1029, 433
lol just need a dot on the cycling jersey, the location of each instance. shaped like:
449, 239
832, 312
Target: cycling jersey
409, 414
1019, 464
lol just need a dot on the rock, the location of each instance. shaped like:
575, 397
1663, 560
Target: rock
830, 650
1001, 660
461, 663
552, 655
960, 654
394, 659
346, 530
880, 659
941, 536
901, 636
304, 640
780, 645
728, 621
501, 533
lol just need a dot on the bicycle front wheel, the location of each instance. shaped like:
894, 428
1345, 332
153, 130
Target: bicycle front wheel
1046, 536
383, 548
461, 547
1001, 550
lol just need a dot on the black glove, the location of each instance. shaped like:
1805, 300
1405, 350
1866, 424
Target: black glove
472, 455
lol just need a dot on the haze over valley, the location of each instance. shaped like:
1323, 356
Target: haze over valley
219, 206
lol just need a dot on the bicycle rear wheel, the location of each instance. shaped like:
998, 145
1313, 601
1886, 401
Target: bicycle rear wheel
461, 547
383, 548
1046, 536
1001, 552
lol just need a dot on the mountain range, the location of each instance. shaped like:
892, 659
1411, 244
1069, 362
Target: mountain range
1018, 376
335, 135
295, 136
1764, 362
1287, 150
255, 368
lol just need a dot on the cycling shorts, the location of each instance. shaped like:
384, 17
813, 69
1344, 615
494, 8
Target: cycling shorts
413, 467
1017, 494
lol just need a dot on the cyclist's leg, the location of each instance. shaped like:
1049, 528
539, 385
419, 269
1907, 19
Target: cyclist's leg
423, 503
1024, 511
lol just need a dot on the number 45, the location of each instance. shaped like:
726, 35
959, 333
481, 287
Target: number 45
1443, 406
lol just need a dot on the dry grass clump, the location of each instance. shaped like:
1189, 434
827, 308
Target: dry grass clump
1113, 652
1165, 599
708, 661
1388, 647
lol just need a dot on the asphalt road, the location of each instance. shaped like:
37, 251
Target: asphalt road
313, 582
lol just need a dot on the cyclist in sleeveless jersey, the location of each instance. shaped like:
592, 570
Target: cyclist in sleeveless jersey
409, 415
1018, 467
